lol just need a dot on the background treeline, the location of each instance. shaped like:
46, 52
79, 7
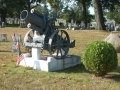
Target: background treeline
75, 10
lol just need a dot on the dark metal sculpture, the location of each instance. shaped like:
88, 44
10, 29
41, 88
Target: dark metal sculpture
45, 35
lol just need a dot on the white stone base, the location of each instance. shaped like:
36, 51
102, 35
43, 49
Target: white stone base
51, 64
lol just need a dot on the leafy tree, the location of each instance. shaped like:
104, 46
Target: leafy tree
85, 5
66, 14
9, 6
115, 14
109, 4
106, 4
73, 10
28, 3
56, 6
43, 9
14, 7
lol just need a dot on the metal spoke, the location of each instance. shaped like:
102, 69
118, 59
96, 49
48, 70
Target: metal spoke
57, 52
64, 39
60, 52
63, 49
54, 50
61, 36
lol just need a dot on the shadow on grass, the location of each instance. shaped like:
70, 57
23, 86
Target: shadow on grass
4, 41
117, 69
5, 51
13, 26
75, 69
115, 75
81, 69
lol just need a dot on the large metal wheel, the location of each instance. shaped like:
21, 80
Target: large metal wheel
59, 44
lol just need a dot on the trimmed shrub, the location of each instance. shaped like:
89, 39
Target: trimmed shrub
100, 58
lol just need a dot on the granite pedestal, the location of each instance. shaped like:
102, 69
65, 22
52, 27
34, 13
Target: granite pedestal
50, 63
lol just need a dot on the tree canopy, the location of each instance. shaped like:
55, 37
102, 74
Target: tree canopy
76, 10
14, 7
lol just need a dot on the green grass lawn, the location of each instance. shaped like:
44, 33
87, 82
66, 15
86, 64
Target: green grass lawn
74, 78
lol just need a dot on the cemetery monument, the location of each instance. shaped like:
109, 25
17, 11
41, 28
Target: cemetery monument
45, 36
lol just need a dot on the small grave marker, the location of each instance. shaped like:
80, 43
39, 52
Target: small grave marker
14, 47
3, 37
17, 37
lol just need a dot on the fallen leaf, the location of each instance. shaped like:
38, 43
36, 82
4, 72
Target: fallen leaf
3, 65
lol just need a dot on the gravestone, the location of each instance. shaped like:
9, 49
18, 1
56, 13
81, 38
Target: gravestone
75, 26
3, 37
112, 27
20, 24
66, 26
109, 27
17, 37
14, 47
116, 27
82, 26
16, 20
13, 22
70, 26
3, 24
88, 25
23, 24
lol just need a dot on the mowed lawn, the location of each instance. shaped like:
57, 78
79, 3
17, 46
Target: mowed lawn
74, 78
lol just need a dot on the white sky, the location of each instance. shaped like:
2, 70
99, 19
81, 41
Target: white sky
91, 9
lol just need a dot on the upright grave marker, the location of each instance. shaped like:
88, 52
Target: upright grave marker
16, 38
3, 37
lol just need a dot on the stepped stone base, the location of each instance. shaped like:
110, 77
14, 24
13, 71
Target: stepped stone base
50, 63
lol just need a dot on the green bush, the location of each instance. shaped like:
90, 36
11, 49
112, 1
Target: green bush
100, 58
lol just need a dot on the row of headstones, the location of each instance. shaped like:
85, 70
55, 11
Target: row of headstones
112, 26
70, 26
23, 24
12, 21
109, 27
16, 37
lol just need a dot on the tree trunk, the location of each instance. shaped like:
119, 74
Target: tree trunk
28, 5
73, 15
3, 15
98, 15
84, 13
